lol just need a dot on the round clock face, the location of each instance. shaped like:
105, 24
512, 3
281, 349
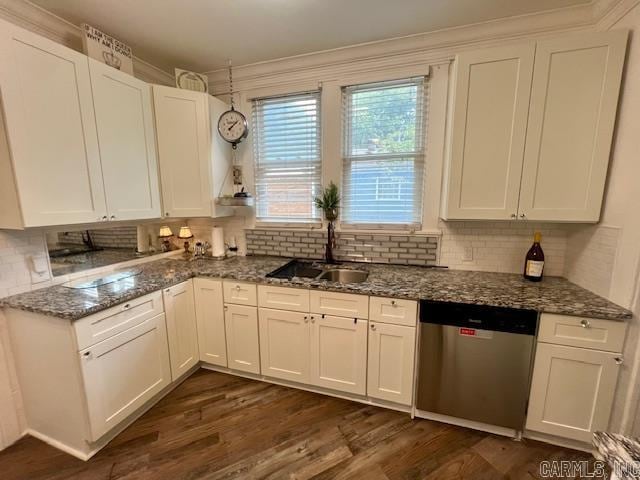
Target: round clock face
232, 126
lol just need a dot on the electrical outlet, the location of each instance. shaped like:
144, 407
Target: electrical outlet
467, 256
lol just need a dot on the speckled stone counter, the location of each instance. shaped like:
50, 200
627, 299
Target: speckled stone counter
553, 294
620, 452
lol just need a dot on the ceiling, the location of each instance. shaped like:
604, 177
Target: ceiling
201, 34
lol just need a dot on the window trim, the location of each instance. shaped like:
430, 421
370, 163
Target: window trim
423, 139
331, 80
257, 96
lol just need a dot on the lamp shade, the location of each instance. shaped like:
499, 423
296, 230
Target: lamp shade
165, 232
185, 232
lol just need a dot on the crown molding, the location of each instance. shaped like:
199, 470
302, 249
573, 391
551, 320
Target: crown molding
38, 20
429, 47
616, 10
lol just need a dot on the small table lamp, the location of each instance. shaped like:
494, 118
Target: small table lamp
185, 234
165, 234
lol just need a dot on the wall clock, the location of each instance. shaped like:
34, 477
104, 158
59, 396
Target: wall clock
232, 125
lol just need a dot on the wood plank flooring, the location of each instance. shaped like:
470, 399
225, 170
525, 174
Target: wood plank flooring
217, 426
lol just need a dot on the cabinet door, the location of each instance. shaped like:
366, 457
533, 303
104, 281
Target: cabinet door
126, 135
391, 361
181, 327
339, 353
51, 128
284, 344
243, 349
182, 126
571, 391
123, 372
490, 105
212, 340
574, 97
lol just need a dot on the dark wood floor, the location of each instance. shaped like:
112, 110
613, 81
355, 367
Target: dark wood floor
217, 426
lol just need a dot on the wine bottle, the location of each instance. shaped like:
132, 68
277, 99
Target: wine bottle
534, 261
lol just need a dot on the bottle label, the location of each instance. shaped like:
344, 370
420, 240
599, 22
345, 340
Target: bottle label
534, 268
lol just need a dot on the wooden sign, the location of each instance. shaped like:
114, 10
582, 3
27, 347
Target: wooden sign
191, 81
106, 49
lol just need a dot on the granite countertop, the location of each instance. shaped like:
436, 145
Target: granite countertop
552, 295
620, 452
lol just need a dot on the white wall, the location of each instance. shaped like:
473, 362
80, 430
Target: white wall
622, 202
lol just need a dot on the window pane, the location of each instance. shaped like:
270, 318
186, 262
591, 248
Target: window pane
287, 156
383, 152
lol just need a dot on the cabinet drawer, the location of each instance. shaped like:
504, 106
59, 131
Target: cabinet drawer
393, 310
339, 304
604, 335
96, 328
240, 293
283, 298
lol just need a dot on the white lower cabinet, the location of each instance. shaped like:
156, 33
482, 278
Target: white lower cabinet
182, 331
212, 340
123, 372
391, 362
572, 391
284, 344
243, 349
339, 353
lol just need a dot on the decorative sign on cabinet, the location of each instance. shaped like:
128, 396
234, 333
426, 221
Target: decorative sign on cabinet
532, 127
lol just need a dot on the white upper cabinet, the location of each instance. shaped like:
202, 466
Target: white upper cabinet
126, 136
574, 98
488, 132
531, 133
194, 163
52, 146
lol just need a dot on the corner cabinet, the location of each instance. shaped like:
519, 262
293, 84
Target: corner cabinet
532, 128
194, 161
179, 306
210, 316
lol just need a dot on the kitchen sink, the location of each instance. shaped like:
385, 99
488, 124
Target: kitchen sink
343, 275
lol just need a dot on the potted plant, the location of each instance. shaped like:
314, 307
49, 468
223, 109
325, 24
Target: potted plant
329, 202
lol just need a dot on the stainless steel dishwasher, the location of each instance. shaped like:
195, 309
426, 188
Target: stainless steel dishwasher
475, 362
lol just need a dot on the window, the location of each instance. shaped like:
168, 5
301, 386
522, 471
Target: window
287, 157
383, 157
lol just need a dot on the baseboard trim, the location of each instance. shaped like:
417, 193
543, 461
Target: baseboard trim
59, 445
322, 391
461, 422
559, 441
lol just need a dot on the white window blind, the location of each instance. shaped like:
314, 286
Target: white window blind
383, 159
287, 153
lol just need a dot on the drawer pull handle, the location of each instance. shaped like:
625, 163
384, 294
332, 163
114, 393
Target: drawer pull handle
373, 327
238, 287
619, 360
585, 323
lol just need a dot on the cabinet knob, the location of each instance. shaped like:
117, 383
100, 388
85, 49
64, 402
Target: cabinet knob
113, 217
166, 214
313, 319
126, 305
104, 218
393, 303
523, 216
306, 319
373, 326
168, 290
513, 215
87, 355
585, 323
226, 308
619, 360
